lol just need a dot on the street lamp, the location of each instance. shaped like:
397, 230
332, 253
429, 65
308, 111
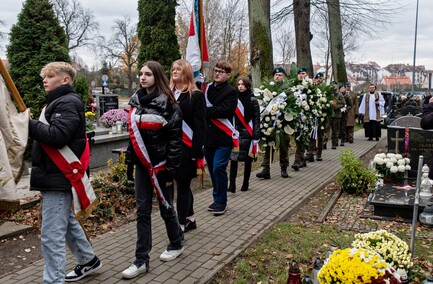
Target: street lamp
414, 49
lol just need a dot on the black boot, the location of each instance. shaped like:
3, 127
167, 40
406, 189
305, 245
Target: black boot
264, 174
245, 186
233, 173
284, 173
295, 166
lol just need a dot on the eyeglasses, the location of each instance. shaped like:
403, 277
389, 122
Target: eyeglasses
218, 71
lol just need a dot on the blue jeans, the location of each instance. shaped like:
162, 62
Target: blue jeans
217, 160
59, 227
144, 194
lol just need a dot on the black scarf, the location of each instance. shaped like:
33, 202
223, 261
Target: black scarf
245, 98
144, 98
58, 92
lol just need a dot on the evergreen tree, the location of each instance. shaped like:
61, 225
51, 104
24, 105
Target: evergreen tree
81, 87
35, 40
156, 31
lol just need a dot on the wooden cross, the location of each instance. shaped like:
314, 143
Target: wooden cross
396, 140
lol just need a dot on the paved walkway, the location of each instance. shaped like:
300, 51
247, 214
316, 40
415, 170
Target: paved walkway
217, 240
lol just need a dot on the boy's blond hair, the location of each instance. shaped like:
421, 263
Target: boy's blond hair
57, 67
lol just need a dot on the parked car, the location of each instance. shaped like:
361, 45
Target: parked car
98, 91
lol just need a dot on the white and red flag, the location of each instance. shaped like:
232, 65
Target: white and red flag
196, 49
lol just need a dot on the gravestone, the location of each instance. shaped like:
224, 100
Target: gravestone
405, 136
106, 103
394, 200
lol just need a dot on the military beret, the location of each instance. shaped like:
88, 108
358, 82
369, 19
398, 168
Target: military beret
318, 75
334, 82
302, 69
347, 84
279, 70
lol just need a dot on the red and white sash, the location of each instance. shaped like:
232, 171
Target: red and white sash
224, 124
147, 121
187, 134
240, 113
74, 169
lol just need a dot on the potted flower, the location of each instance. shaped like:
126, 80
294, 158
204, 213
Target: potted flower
392, 167
392, 249
353, 265
90, 120
109, 118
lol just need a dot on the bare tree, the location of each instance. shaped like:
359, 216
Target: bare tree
79, 23
123, 47
336, 40
303, 34
286, 43
261, 58
360, 18
2, 34
226, 31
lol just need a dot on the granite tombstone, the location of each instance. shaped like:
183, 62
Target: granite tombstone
406, 137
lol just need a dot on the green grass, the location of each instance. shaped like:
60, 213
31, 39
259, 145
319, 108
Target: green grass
268, 259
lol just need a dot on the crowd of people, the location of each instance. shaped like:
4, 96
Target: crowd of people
175, 125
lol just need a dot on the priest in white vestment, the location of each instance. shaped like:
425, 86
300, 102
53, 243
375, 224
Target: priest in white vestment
373, 108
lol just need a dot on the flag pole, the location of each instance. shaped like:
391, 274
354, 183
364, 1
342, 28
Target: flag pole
12, 88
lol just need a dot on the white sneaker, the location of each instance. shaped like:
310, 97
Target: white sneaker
134, 271
168, 255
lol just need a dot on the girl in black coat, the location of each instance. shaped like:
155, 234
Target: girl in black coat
193, 106
155, 130
248, 125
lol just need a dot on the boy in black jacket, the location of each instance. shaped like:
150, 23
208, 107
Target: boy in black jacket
221, 137
61, 129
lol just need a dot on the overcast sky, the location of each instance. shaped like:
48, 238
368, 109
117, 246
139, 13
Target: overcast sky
395, 45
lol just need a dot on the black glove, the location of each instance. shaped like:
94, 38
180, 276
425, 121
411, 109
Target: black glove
130, 172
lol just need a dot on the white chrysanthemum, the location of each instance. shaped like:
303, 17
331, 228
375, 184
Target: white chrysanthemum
378, 161
408, 168
309, 92
401, 168
398, 156
393, 169
273, 112
390, 155
322, 128
307, 108
267, 94
322, 119
324, 99
288, 117
393, 159
281, 106
274, 94
389, 165
303, 118
401, 162
272, 83
267, 118
407, 160
328, 105
288, 130
304, 103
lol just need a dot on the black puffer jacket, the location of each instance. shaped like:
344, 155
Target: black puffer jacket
163, 144
67, 126
252, 113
